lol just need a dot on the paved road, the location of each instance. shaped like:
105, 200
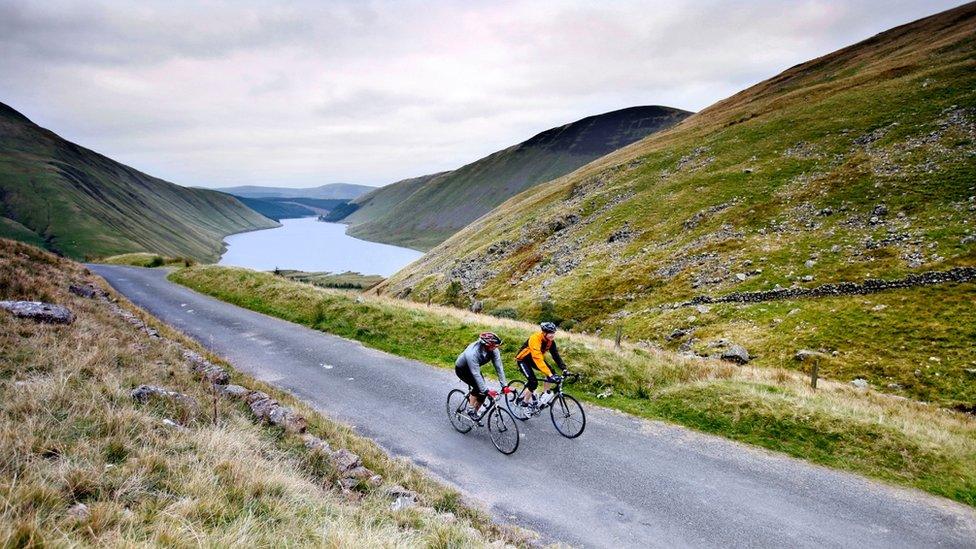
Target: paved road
625, 483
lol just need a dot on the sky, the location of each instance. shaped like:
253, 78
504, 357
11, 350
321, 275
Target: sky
301, 94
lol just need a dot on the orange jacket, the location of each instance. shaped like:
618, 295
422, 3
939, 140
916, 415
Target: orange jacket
537, 346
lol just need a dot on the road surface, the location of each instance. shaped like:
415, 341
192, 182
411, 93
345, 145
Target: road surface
625, 482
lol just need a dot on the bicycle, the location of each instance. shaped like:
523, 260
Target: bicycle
502, 427
565, 411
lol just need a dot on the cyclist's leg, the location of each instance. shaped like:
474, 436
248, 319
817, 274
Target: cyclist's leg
531, 382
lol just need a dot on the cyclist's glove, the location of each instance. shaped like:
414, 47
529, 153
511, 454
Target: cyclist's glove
554, 379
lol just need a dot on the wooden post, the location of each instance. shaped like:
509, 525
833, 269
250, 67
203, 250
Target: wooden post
814, 372
620, 332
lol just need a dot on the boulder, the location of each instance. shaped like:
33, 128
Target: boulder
360, 473
254, 396
736, 353
316, 444
805, 355
345, 461
39, 311
477, 306
234, 391
144, 393
287, 419
89, 291
208, 370
676, 334
348, 483
860, 383
402, 502
263, 408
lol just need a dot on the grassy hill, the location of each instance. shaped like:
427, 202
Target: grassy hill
422, 212
858, 165
79, 203
330, 191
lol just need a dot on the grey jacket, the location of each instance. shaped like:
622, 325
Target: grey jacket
474, 357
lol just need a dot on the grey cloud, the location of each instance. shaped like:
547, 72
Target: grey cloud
262, 92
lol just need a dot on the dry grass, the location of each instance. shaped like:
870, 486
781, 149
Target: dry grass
70, 433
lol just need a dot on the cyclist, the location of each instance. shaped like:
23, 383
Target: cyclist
468, 369
531, 357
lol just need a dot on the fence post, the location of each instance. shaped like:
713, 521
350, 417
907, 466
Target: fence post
814, 372
620, 332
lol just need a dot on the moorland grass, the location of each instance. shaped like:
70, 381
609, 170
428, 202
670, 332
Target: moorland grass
70, 433
897, 440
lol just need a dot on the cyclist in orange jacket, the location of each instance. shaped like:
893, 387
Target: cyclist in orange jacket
531, 357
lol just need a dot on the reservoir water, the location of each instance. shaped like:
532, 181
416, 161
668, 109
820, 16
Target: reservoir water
307, 244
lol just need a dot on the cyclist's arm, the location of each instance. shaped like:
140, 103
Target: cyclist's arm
496, 360
555, 356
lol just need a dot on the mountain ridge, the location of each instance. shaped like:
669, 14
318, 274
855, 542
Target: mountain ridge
83, 204
422, 212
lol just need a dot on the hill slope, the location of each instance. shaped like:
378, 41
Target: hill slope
335, 191
82, 204
423, 212
860, 164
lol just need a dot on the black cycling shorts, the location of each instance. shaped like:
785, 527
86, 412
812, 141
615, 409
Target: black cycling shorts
528, 367
465, 375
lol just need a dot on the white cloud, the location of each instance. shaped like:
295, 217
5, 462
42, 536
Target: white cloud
232, 92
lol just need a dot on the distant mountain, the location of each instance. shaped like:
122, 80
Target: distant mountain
82, 204
424, 211
340, 191
289, 208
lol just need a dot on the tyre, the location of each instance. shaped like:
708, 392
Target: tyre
457, 408
567, 416
519, 412
503, 430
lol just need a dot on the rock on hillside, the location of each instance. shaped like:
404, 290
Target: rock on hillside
422, 212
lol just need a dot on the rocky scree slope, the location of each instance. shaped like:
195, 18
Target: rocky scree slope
76, 202
857, 165
423, 212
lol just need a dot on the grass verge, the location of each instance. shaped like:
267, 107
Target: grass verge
146, 259
892, 439
71, 434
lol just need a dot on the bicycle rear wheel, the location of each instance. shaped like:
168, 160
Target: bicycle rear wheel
503, 430
457, 408
520, 413
567, 416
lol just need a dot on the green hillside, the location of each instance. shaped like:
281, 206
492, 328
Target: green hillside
858, 165
422, 212
79, 203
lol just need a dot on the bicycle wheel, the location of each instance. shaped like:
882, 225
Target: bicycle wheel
567, 416
457, 406
517, 410
503, 430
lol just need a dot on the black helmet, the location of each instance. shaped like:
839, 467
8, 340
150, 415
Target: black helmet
548, 327
489, 338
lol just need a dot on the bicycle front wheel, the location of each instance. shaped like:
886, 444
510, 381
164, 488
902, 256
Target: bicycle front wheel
511, 400
503, 430
457, 411
567, 416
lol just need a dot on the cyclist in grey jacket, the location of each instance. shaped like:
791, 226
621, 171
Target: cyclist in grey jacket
468, 368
